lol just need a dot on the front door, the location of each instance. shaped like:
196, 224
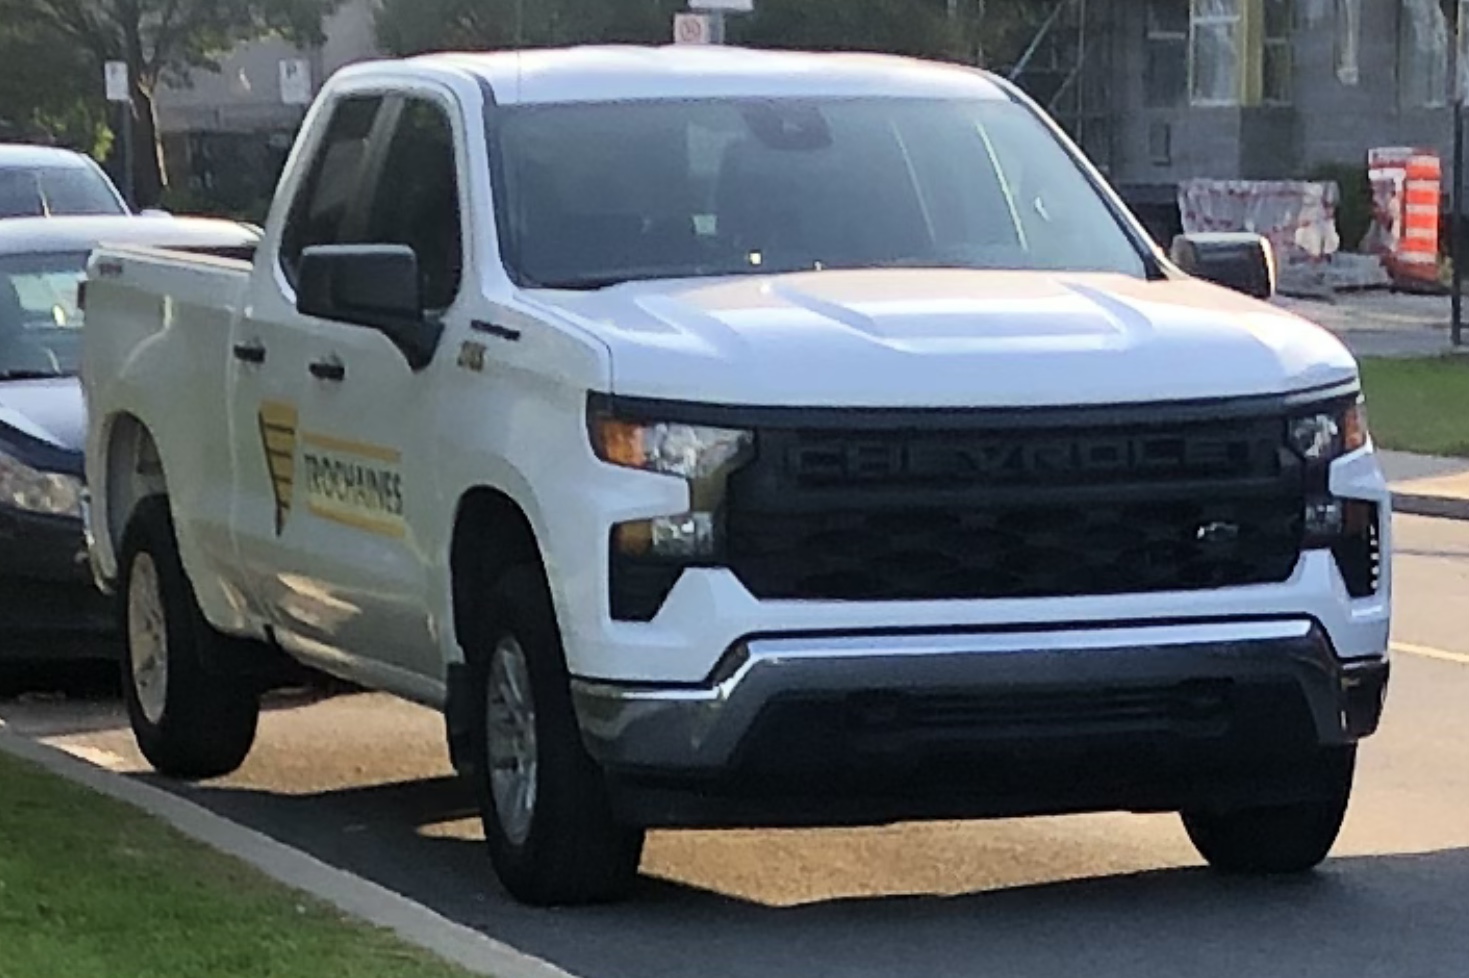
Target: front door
364, 462
271, 348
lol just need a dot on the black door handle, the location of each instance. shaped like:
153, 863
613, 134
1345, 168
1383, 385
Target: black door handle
330, 369
252, 352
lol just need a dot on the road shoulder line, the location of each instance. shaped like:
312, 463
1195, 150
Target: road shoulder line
1428, 652
353, 895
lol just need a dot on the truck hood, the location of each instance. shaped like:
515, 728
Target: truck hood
52, 411
947, 338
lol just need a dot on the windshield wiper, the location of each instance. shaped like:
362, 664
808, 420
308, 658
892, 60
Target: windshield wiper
31, 374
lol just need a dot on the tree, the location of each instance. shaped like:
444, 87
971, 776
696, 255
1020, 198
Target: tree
971, 31
160, 40
44, 95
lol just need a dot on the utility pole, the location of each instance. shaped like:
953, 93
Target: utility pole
1456, 224
119, 88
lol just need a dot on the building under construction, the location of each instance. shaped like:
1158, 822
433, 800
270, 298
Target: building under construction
1159, 91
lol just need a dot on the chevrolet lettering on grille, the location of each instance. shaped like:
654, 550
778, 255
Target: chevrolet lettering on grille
956, 457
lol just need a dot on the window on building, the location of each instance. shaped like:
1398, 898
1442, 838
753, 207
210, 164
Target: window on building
1215, 36
1348, 39
1165, 53
1423, 53
1275, 56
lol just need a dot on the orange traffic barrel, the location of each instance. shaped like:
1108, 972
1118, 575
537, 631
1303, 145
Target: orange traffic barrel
1417, 252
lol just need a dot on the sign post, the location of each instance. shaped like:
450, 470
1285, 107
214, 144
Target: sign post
1456, 224
119, 90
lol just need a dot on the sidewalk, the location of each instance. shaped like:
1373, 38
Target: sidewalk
1382, 324
1424, 485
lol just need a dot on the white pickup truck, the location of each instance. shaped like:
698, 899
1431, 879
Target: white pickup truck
727, 438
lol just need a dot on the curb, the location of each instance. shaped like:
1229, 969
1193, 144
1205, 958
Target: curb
1440, 507
353, 895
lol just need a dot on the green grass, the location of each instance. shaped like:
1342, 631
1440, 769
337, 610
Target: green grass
90, 888
1418, 405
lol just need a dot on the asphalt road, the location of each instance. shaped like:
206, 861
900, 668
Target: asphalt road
363, 783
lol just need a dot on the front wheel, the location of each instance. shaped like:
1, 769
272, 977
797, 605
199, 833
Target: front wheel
189, 722
547, 817
1283, 839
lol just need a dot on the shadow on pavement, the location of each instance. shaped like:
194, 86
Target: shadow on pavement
1393, 915
86, 680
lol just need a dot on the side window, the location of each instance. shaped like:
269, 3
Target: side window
416, 200
326, 195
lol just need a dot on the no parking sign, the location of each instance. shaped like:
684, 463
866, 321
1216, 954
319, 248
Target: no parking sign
692, 29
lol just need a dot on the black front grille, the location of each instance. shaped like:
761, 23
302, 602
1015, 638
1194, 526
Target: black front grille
903, 515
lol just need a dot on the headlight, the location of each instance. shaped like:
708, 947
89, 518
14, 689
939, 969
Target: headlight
1327, 435
705, 457
690, 451
48, 493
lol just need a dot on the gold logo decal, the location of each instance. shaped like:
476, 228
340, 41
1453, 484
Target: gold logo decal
354, 483
278, 436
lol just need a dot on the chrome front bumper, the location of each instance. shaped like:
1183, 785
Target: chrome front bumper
701, 729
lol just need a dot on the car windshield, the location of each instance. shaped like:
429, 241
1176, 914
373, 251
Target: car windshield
56, 191
597, 194
40, 320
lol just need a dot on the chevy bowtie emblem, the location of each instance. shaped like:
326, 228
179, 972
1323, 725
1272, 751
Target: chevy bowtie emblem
1217, 533
278, 426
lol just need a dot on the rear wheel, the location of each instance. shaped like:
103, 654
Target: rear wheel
189, 722
1283, 839
547, 817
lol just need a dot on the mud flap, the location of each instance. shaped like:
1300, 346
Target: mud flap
459, 716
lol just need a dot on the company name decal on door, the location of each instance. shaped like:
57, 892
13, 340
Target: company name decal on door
354, 483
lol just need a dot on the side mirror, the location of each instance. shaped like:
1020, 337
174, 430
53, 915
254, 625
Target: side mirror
376, 286
1236, 260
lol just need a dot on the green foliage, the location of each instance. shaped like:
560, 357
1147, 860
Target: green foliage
44, 93
1354, 211
1419, 405
413, 26
978, 31
163, 36
67, 42
95, 889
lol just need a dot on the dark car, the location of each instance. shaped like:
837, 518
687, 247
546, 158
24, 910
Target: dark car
40, 181
48, 604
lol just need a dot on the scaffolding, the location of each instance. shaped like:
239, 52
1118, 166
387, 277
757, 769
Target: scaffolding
1067, 68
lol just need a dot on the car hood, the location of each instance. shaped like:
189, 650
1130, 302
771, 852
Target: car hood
947, 338
52, 411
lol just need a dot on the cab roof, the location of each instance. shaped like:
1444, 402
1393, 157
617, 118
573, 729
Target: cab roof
609, 73
42, 235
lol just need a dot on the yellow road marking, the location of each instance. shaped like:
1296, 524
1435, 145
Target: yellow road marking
1428, 652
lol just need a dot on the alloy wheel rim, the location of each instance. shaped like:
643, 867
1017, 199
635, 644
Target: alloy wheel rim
511, 733
147, 639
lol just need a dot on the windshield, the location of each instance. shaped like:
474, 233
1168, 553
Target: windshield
595, 194
40, 322
56, 191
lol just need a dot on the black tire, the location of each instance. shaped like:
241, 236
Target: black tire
1278, 840
574, 851
200, 722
